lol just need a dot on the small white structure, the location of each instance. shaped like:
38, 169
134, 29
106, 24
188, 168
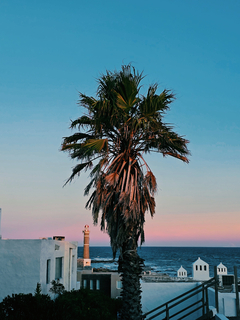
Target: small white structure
200, 270
24, 263
182, 273
221, 269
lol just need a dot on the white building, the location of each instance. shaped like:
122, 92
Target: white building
24, 263
221, 269
108, 283
200, 270
182, 273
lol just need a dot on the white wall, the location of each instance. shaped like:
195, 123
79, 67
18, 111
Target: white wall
200, 270
52, 249
156, 293
19, 266
23, 263
226, 301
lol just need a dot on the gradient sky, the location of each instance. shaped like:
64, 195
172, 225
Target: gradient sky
51, 50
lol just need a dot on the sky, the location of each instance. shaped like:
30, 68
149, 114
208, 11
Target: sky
52, 50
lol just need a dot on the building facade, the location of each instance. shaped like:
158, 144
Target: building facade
200, 270
182, 273
108, 283
24, 263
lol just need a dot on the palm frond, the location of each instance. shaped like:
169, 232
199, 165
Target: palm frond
77, 170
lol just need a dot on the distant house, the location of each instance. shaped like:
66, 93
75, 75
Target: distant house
24, 263
200, 270
221, 269
182, 273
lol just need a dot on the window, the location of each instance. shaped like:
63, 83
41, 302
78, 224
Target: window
200, 268
196, 268
91, 285
119, 284
205, 268
84, 284
48, 271
97, 284
73, 259
58, 268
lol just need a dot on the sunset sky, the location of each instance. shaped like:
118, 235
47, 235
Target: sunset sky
51, 50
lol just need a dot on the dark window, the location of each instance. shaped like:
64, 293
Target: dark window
97, 284
101, 282
205, 268
200, 268
196, 267
227, 280
58, 268
48, 271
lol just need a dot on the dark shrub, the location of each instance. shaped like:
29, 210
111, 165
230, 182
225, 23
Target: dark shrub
26, 307
75, 305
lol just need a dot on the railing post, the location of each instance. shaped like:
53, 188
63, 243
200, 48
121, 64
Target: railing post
207, 302
167, 312
236, 289
203, 298
216, 288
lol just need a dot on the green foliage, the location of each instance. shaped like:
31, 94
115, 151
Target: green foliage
26, 307
81, 304
57, 287
38, 290
86, 304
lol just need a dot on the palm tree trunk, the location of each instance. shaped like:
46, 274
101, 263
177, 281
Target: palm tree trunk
130, 268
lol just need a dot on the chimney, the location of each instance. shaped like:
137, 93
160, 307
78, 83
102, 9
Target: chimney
0, 223
86, 242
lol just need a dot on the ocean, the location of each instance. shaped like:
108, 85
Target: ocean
169, 259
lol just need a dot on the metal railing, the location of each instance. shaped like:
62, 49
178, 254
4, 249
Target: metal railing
201, 303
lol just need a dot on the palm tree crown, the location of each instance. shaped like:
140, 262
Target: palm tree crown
120, 126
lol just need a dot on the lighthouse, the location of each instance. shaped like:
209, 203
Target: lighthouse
86, 256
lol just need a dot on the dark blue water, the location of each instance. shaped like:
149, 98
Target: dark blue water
170, 259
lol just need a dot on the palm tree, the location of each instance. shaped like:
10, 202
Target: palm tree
120, 126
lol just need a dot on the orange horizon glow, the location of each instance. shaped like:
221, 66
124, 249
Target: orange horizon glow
212, 229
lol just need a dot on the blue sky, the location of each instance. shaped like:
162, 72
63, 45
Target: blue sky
51, 50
